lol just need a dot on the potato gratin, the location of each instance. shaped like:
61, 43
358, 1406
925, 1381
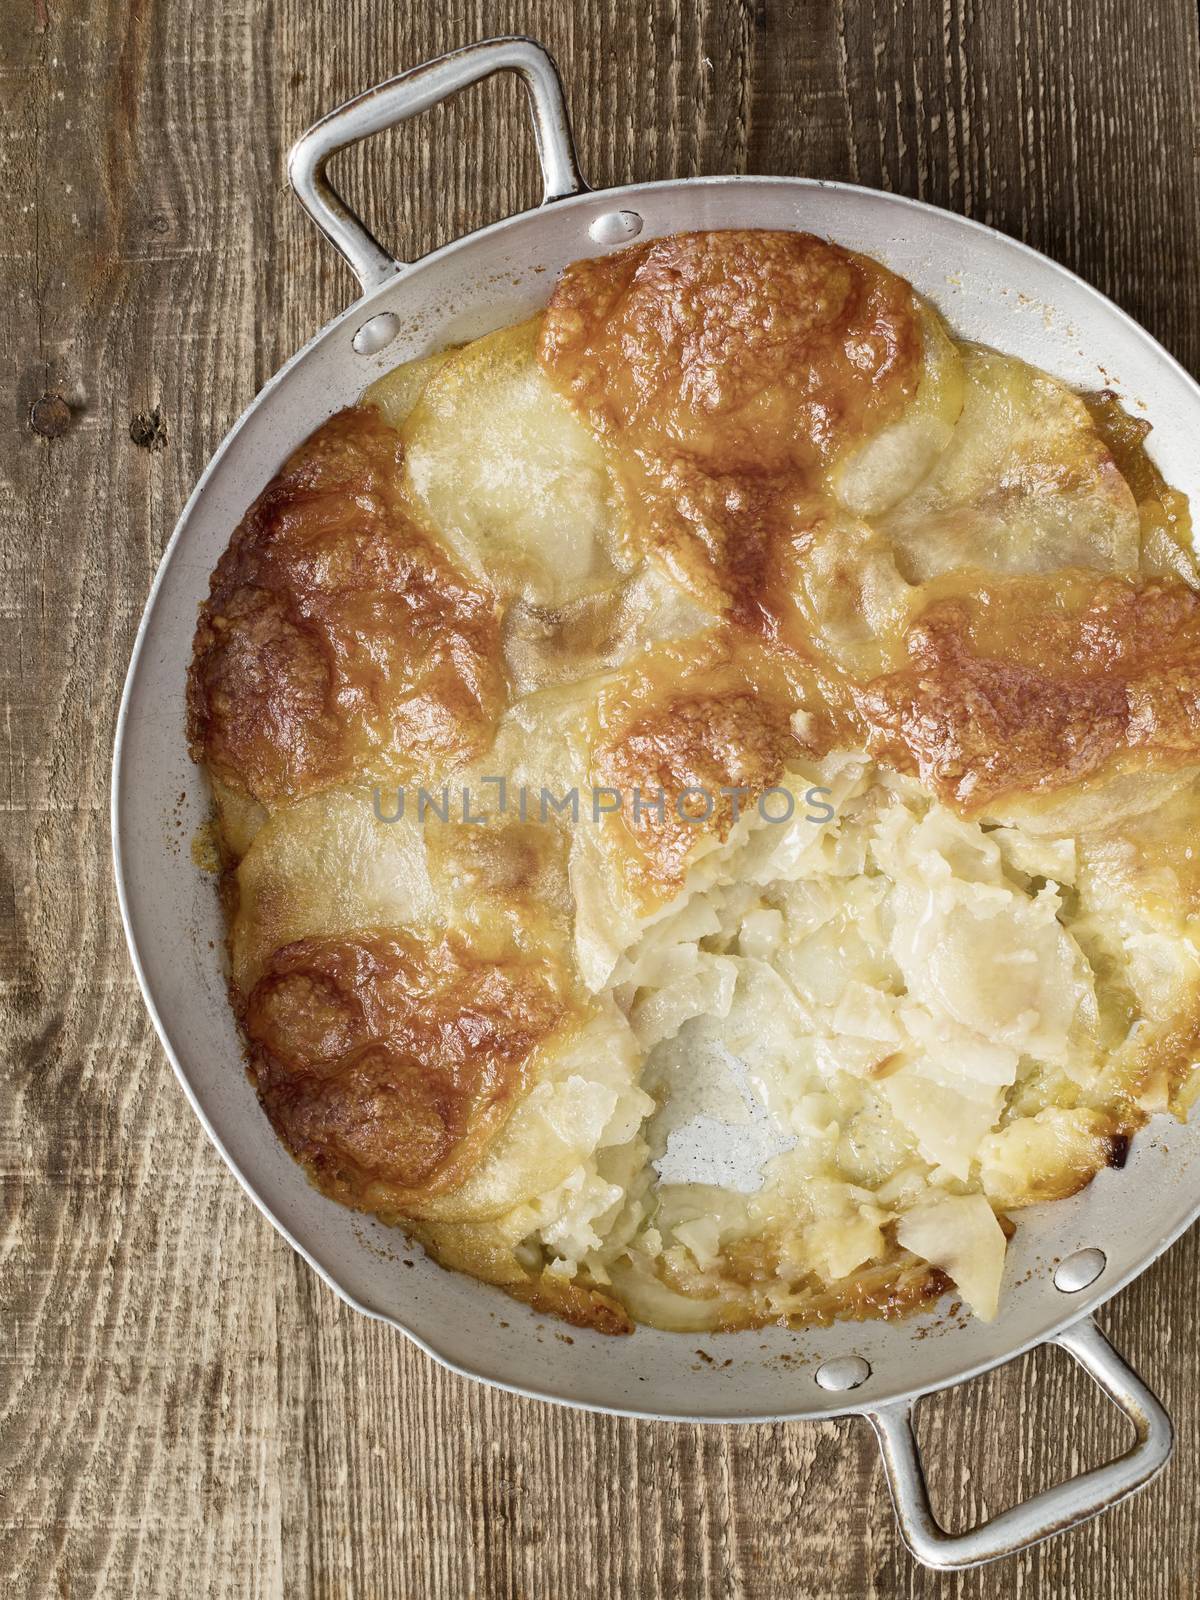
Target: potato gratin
873, 661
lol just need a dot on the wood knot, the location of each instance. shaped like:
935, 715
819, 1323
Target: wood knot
148, 430
50, 416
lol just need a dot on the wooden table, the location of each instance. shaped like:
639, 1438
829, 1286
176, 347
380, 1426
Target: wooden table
186, 1410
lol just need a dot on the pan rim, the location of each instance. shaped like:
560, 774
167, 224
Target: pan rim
1076, 1307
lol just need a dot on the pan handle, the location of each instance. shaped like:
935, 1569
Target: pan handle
1053, 1511
403, 97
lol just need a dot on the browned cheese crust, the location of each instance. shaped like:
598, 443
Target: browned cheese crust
703, 718
338, 640
725, 368
1032, 684
386, 1065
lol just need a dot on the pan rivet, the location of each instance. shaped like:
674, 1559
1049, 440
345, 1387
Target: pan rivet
377, 334
1079, 1270
843, 1372
615, 227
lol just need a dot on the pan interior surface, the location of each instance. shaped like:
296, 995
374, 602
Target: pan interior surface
991, 290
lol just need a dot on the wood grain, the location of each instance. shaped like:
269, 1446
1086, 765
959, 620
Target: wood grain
184, 1409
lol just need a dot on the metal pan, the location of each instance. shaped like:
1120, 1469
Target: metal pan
1066, 1259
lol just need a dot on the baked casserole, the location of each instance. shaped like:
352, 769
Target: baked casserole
706, 782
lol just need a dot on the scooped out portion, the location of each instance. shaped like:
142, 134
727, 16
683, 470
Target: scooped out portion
707, 780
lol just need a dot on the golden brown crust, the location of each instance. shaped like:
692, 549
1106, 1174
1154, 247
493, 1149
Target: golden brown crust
749, 350
1007, 690
387, 1065
337, 640
1166, 1068
889, 1292
725, 368
1090, 1141
576, 1303
897, 1286
695, 717
1167, 540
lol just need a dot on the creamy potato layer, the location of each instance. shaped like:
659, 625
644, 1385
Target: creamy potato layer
872, 660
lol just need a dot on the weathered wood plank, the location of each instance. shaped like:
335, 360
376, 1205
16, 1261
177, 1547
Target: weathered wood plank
138, 1358
184, 1409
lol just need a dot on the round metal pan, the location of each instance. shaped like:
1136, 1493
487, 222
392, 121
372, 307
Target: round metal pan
991, 289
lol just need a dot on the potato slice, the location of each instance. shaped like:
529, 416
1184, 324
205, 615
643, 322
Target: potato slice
894, 461
323, 867
959, 1233
1025, 485
506, 473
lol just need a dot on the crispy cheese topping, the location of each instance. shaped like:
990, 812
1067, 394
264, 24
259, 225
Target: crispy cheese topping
338, 640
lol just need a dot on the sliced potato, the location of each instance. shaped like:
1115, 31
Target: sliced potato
894, 461
512, 480
1025, 485
959, 1233
323, 867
